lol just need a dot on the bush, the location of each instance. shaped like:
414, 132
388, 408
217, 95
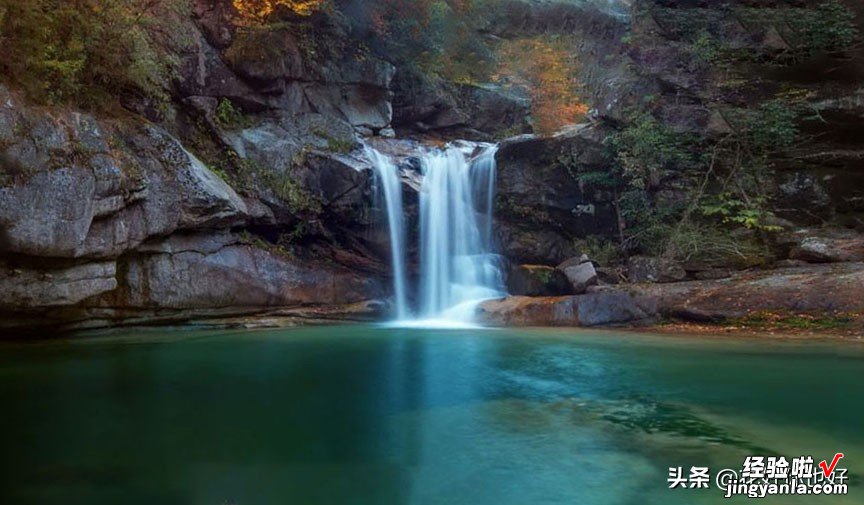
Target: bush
712, 244
719, 204
830, 27
602, 251
645, 148
228, 115
87, 51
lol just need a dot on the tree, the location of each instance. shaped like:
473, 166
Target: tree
546, 68
257, 11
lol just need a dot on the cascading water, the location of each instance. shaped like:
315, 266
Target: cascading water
389, 186
458, 268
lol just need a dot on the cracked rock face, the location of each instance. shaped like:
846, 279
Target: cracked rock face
121, 219
56, 287
78, 196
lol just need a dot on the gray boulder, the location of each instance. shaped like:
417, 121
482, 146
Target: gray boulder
593, 309
829, 248
581, 276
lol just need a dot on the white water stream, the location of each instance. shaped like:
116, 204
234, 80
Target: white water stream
458, 266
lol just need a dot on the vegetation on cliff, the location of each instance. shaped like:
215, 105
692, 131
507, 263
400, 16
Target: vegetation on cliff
708, 194
88, 51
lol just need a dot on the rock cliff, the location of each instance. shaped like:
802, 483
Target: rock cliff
248, 191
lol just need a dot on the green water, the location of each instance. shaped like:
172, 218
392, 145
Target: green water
366, 415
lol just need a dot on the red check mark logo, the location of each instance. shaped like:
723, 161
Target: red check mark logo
828, 469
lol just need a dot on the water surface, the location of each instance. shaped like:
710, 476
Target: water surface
370, 415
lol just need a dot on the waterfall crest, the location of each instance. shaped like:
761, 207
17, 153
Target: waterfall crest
458, 266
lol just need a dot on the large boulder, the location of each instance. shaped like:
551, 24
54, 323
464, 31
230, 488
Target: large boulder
581, 276
834, 247
593, 309
801, 198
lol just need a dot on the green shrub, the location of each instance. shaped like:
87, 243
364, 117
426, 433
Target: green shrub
705, 50
228, 115
599, 249
645, 148
287, 188
829, 27
721, 201
712, 244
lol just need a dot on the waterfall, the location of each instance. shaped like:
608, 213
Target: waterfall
390, 187
458, 268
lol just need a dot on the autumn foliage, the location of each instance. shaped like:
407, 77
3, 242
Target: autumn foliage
548, 71
259, 10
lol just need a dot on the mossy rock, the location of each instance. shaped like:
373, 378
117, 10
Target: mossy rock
537, 280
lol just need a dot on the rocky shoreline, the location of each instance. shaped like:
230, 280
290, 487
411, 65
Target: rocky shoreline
825, 290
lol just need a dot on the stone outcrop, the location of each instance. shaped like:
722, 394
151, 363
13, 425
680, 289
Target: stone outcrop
465, 111
822, 289
108, 221
645, 269
828, 246
284, 70
819, 289
24, 288
593, 309
77, 196
542, 206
